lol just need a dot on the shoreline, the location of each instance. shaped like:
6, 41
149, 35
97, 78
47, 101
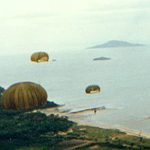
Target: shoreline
128, 131
75, 117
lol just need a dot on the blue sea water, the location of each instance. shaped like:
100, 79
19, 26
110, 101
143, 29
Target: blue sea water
124, 82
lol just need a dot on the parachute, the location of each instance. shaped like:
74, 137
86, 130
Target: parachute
92, 89
40, 57
23, 95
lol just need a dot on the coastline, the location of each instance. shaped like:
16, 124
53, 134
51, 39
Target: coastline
75, 117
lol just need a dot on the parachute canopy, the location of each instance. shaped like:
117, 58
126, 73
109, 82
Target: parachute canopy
23, 95
92, 89
39, 57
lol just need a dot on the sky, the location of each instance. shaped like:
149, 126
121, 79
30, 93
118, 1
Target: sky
27, 26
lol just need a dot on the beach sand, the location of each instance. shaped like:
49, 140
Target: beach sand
76, 117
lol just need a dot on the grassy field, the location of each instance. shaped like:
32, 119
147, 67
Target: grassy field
108, 139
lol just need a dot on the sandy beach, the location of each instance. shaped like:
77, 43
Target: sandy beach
76, 117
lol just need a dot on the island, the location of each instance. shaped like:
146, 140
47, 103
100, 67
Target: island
101, 58
116, 43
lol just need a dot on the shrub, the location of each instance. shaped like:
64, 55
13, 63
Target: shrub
32, 125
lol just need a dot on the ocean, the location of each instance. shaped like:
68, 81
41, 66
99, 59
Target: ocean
124, 82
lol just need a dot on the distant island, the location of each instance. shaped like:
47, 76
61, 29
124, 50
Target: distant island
116, 43
101, 58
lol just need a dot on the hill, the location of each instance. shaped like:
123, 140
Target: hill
115, 43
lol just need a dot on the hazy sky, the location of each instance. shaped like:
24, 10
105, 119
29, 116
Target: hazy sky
53, 25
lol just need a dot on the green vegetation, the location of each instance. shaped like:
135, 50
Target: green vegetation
24, 129
1, 90
48, 105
